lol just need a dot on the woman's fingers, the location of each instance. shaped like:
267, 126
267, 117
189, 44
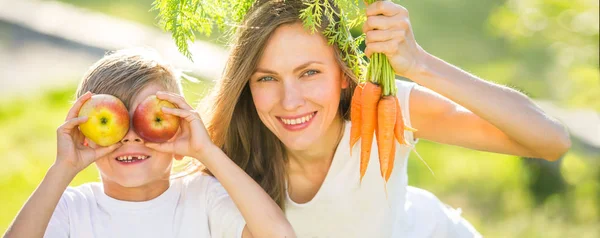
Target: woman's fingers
386, 8
176, 99
388, 48
380, 36
385, 23
74, 111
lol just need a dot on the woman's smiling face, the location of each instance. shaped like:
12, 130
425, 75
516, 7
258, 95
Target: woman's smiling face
296, 87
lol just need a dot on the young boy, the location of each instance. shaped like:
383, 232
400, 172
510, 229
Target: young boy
137, 196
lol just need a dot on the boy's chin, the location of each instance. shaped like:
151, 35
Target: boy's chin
131, 181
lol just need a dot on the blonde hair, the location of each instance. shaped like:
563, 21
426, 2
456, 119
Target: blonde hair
232, 121
124, 73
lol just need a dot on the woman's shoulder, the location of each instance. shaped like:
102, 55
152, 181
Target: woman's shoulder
404, 88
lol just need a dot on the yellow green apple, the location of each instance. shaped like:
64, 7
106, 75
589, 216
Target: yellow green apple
108, 119
151, 123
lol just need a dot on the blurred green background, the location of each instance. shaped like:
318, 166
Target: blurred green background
547, 49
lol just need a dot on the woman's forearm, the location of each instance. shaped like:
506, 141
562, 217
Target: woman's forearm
263, 217
509, 110
35, 215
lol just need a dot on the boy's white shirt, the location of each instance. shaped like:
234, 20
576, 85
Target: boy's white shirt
343, 207
193, 206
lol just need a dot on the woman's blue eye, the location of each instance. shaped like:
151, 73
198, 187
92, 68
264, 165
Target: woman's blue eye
311, 72
267, 78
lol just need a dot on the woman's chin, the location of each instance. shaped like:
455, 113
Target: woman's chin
297, 144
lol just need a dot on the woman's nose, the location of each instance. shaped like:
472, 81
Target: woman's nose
293, 97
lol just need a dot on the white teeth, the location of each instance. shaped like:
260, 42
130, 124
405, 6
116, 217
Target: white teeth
130, 158
297, 120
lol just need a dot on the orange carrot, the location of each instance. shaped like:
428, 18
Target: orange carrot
400, 127
391, 162
386, 120
355, 114
370, 97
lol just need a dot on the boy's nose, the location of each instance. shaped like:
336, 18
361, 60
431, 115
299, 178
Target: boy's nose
131, 137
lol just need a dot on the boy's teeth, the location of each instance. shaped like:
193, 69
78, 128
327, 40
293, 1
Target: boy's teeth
130, 158
297, 120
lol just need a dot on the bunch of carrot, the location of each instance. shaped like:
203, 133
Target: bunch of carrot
375, 109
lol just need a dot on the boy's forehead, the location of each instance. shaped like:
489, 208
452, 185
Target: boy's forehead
146, 91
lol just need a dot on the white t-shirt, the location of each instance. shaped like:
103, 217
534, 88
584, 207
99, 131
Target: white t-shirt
343, 207
193, 206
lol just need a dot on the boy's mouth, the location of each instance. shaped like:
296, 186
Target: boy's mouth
131, 158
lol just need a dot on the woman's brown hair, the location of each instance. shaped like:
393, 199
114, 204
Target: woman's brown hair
231, 118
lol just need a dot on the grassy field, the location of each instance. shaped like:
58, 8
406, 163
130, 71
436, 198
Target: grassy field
491, 189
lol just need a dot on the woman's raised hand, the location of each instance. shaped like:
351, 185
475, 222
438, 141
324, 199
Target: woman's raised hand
388, 31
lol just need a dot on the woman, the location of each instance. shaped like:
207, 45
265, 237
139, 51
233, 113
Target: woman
281, 113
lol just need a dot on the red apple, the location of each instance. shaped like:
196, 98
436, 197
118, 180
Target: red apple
151, 123
108, 119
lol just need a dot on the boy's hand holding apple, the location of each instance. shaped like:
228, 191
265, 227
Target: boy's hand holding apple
192, 140
72, 154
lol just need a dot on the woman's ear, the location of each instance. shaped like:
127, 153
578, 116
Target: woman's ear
344, 80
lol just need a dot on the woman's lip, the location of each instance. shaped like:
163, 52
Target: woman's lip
297, 116
298, 126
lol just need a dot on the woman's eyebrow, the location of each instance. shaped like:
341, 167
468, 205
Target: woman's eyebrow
306, 64
266, 71
300, 67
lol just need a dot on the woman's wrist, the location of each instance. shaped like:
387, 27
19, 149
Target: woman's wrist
421, 65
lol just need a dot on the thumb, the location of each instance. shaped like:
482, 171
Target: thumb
162, 147
105, 150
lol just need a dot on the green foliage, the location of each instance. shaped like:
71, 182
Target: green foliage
338, 28
185, 17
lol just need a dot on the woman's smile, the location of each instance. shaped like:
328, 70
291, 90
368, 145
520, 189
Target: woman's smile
298, 122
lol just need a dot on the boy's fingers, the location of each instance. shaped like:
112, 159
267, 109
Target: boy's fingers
100, 152
162, 147
189, 116
176, 99
69, 125
74, 111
